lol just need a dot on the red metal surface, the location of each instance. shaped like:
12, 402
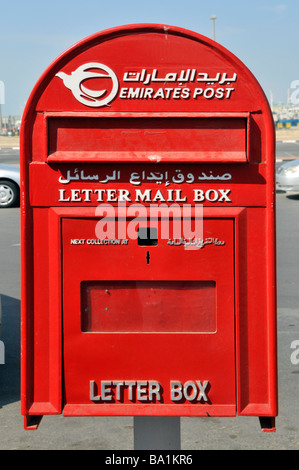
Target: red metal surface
149, 350
132, 139
164, 306
148, 115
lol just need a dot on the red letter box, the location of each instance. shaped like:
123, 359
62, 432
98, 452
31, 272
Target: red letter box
148, 232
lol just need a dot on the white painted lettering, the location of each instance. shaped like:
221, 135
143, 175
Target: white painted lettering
133, 93
202, 387
197, 92
106, 390
220, 93
123, 93
179, 198
170, 195
158, 197
99, 192
111, 195
159, 94
146, 196
190, 391
209, 93
212, 195
62, 196
199, 195
124, 195
186, 93
224, 195
119, 385
130, 384
229, 92
154, 391
77, 242
147, 391
176, 393
148, 93
142, 391
168, 93
75, 195
176, 93
87, 193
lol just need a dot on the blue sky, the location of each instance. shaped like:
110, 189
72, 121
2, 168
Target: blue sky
264, 34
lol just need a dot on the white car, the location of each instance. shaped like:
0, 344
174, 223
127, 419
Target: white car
9, 185
287, 176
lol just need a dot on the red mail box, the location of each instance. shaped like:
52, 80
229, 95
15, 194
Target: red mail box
148, 232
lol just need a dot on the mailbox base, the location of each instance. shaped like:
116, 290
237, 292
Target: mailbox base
267, 423
31, 423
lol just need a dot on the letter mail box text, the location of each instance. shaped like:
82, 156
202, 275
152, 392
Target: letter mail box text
148, 232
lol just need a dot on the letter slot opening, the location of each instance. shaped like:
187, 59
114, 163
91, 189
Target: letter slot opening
147, 236
147, 139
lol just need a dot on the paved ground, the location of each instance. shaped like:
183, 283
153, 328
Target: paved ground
9, 141
287, 134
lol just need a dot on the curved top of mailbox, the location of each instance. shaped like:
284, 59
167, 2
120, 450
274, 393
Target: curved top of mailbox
147, 68
147, 71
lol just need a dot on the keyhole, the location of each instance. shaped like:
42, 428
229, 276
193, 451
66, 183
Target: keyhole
147, 257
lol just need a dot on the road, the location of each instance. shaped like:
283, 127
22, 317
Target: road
116, 433
9, 156
287, 150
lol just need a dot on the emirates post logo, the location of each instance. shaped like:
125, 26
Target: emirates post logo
84, 84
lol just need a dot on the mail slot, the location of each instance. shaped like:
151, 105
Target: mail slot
131, 139
148, 232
